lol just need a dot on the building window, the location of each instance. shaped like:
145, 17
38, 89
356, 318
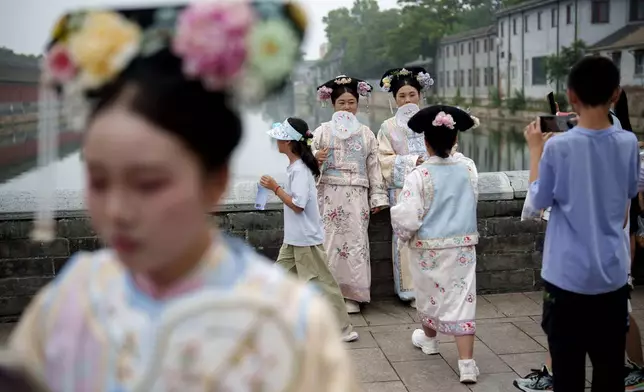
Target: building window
484, 46
600, 12
539, 71
569, 14
637, 10
491, 44
502, 55
554, 15
469, 48
639, 62
502, 29
485, 77
447, 51
440, 79
491, 76
525, 24
478, 46
617, 58
469, 78
462, 49
447, 78
477, 77
461, 82
539, 20
455, 50
514, 26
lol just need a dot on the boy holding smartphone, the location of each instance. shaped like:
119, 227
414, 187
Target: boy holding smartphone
587, 175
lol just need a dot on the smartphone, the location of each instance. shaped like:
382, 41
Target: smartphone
552, 123
552, 103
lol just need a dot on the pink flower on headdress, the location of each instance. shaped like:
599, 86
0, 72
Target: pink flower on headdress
211, 40
444, 119
59, 64
324, 93
364, 89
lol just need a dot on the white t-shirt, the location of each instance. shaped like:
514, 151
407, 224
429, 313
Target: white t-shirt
304, 228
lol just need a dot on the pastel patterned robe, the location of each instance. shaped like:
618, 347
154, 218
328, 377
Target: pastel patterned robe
349, 187
398, 152
237, 323
436, 215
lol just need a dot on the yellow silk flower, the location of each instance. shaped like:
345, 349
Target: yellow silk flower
103, 47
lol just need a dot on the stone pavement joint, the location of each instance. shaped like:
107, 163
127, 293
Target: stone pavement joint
509, 342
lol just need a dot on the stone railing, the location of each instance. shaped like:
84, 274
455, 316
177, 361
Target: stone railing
509, 252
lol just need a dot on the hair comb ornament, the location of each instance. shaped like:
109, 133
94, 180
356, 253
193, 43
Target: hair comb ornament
222, 44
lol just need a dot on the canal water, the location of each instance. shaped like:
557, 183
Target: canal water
495, 146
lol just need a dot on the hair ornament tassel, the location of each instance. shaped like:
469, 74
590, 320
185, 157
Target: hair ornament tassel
48, 130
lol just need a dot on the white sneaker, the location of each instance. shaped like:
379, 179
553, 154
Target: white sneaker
350, 337
468, 370
413, 303
352, 306
428, 345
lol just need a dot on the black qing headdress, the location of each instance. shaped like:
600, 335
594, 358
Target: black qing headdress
437, 117
397, 75
358, 85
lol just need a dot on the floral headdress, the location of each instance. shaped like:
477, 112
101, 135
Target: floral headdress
398, 74
222, 44
438, 118
360, 86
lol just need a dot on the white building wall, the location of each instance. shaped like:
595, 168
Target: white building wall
516, 50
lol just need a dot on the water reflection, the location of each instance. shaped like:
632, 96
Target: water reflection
495, 146
256, 155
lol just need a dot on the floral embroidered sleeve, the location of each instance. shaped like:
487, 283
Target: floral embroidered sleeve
474, 175
407, 215
394, 166
377, 191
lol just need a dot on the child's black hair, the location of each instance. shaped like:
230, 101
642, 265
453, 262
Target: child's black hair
302, 148
594, 80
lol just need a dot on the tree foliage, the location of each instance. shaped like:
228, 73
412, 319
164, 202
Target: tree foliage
557, 66
374, 39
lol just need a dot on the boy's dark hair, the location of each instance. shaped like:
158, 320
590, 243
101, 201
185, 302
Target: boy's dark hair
594, 80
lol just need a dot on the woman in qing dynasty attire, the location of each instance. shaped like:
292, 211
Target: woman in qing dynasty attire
400, 150
436, 215
172, 304
350, 187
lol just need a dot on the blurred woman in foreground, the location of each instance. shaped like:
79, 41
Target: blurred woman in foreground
173, 304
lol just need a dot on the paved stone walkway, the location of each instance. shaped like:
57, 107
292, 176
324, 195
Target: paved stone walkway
509, 342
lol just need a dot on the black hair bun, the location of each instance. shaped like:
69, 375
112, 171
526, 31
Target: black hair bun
422, 121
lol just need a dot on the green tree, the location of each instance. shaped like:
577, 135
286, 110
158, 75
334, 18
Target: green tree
362, 33
374, 39
557, 66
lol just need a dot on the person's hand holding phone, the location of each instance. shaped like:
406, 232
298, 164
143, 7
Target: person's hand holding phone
535, 138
